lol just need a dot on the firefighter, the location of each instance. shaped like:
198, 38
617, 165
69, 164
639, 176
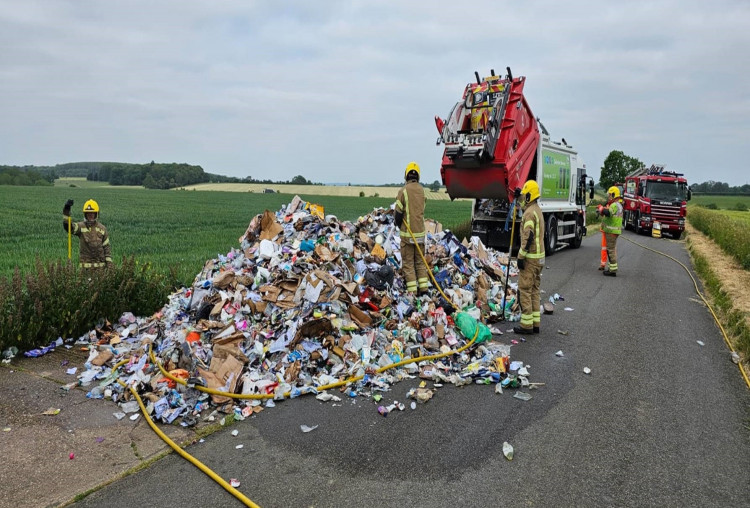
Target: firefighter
94, 248
530, 259
612, 227
410, 204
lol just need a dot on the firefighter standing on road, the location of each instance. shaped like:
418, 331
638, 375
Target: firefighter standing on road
410, 204
612, 227
530, 259
94, 248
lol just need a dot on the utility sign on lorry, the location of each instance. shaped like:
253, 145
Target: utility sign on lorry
556, 174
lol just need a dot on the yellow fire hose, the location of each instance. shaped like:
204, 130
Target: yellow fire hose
697, 290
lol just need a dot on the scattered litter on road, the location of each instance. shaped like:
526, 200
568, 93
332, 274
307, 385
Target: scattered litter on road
586, 370
563, 332
569, 309
735, 357
700, 342
51, 411
559, 353
234, 482
239, 446
235, 432
522, 396
305, 428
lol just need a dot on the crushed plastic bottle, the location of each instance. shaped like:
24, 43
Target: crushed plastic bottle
508, 450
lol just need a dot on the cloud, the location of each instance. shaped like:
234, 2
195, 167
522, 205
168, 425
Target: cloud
347, 91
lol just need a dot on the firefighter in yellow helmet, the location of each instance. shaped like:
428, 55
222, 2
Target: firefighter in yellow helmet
530, 259
612, 227
94, 248
410, 204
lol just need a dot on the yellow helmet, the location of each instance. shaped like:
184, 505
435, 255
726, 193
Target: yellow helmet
530, 191
614, 191
412, 166
91, 206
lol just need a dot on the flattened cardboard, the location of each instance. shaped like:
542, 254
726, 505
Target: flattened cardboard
269, 228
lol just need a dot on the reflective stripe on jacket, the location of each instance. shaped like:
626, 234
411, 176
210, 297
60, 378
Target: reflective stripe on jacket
410, 202
613, 223
532, 223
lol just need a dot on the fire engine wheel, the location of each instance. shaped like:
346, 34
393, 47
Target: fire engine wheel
550, 236
637, 225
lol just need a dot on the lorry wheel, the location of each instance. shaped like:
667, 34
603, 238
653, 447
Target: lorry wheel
578, 239
550, 236
626, 220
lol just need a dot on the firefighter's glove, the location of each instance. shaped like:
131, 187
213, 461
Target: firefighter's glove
398, 219
521, 263
605, 212
68, 205
517, 193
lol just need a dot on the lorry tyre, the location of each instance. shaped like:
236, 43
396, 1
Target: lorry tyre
626, 220
550, 236
578, 239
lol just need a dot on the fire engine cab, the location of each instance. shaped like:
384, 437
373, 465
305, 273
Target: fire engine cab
654, 195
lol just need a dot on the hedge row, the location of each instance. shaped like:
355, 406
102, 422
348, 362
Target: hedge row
60, 300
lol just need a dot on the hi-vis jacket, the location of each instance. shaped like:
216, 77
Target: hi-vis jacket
532, 233
94, 251
410, 202
612, 221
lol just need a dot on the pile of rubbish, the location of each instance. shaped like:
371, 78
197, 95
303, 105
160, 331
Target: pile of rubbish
305, 302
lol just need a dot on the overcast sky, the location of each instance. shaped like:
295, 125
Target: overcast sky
347, 91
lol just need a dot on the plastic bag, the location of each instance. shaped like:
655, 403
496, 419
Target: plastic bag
468, 326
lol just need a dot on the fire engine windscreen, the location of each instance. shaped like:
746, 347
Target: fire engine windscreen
666, 191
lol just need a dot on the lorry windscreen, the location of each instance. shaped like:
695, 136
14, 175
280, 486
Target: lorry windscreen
667, 191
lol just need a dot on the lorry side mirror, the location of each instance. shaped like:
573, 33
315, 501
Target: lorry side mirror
591, 189
689, 194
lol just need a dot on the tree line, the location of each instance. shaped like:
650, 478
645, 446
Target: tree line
151, 175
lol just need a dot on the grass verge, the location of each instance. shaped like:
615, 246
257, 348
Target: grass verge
733, 320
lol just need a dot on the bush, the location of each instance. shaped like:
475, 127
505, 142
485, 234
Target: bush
361, 194
710, 206
60, 300
730, 234
740, 207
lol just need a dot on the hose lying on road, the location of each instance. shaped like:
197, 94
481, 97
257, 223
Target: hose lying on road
697, 290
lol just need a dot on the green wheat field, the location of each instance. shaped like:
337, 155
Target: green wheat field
180, 229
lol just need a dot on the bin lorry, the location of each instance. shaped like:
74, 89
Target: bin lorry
493, 145
655, 198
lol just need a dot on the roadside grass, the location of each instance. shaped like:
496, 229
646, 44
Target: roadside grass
733, 320
730, 231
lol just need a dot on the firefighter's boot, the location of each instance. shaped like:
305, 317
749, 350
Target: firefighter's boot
609, 273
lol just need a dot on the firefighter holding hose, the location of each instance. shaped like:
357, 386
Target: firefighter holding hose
612, 227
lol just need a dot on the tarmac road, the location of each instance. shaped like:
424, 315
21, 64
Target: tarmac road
660, 421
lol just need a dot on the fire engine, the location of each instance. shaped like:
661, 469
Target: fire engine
655, 196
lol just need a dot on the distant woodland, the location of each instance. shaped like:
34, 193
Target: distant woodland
151, 175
